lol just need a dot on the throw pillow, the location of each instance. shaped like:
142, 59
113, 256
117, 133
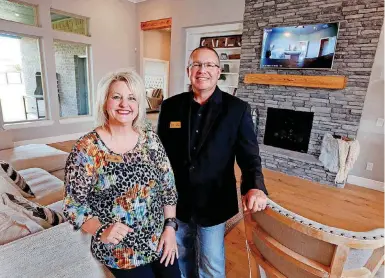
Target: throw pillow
16, 178
42, 215
7, 187
15, 225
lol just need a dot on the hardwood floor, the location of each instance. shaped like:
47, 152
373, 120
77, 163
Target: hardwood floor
352, 208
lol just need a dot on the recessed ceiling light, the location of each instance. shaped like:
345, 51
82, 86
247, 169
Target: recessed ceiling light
17, 14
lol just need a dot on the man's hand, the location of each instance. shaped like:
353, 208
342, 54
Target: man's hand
254, 200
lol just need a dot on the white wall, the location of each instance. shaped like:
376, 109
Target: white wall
370, 136
113, 27
186, 13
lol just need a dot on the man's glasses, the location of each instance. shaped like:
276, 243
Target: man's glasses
208, 65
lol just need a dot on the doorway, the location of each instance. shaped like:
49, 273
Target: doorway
155, 60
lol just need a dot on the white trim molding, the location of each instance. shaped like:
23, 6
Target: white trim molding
26, 124
50, 140
80, 119
368, 183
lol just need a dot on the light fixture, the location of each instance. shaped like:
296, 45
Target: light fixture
17, 14
287, 34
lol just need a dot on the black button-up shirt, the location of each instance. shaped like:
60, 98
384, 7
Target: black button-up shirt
197, 121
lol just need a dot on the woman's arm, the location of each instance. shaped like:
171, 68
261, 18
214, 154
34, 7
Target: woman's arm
167, 241
79, 178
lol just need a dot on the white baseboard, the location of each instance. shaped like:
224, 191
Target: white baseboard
50, 140
364, 182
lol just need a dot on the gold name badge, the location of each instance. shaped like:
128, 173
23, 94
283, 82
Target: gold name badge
175, 125
114, 158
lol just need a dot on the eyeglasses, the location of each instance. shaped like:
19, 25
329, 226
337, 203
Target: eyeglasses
209, 65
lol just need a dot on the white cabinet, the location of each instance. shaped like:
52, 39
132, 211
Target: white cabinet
230, 67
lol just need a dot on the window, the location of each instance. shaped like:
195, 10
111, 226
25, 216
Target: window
68, 23
18, 12
21, 95
72, 78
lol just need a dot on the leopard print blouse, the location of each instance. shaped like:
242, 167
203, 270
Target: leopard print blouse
132, 188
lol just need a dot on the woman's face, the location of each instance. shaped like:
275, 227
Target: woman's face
122, 107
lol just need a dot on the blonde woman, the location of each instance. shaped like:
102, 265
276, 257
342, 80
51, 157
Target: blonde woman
120, 186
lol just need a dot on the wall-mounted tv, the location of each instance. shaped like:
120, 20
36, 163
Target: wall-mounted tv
299, 47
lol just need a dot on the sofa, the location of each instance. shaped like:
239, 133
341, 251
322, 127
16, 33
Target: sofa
27, 247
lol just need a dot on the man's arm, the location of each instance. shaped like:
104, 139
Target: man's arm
247, 155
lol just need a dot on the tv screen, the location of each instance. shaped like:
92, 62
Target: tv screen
299, 47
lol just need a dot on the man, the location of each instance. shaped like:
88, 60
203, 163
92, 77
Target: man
203, 131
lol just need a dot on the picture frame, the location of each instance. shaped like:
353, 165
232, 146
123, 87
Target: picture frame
224, 56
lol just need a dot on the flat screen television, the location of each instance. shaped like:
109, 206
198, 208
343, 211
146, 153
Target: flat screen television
299, 47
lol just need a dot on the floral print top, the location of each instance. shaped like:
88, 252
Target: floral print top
131, 188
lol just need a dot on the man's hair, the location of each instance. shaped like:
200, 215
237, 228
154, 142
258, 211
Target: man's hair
203, 48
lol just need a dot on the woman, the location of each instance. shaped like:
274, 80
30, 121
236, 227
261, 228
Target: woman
120, 187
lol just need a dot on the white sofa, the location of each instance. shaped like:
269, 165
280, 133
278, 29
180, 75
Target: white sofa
26, 248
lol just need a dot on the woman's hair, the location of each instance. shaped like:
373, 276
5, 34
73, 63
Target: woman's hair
135, 85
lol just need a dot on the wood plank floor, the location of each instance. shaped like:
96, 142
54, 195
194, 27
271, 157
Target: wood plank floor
352, 208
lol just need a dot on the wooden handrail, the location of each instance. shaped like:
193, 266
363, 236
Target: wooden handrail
322, 235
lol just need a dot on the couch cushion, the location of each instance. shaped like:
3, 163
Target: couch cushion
56, 252
35, 155
6, 169
58, 206
7, 187
42, 215
6, 141
15, 225
48, 189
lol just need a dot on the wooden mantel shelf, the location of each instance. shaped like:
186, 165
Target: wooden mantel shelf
320, 81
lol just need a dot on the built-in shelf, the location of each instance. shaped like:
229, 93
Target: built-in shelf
193, 40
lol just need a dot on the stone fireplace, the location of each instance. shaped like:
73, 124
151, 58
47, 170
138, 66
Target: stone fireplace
337, 112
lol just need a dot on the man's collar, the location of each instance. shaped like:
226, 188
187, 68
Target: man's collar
215, 97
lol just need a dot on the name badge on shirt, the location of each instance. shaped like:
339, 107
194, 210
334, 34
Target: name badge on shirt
175, 124
114, 158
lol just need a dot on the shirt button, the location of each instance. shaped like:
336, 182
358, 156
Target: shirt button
197, 131
199, 115
194, 148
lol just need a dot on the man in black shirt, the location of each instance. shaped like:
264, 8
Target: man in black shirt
203, 131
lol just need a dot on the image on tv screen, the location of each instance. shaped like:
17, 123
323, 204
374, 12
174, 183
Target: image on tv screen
299, 47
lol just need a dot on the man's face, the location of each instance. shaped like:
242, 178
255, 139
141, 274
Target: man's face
203, 70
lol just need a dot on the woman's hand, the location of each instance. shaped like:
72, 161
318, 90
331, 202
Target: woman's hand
115, 233
168, 244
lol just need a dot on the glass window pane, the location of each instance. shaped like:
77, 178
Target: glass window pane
21, 90
72, 77
17, 12
66, 23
